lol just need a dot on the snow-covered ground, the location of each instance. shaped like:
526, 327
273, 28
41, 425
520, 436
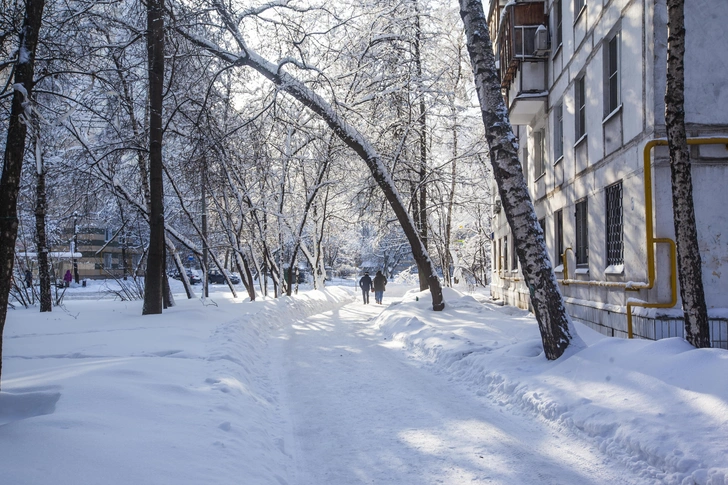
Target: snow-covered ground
319, 388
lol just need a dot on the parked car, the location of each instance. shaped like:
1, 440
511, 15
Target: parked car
216, 277
192, 277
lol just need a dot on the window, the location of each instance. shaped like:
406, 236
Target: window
558, 131
524, 40
514, 256
559, 235
611, 75
558, 20
542, 223
107, 261
580, 98
539, 158
615, 241
582, 233
498, 259
505, 253
108, 234
578, 5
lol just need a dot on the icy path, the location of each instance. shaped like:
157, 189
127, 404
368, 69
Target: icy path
362, 413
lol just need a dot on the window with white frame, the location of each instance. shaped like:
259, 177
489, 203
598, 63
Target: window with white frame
505, 253
611, 74
558, 21
615, 227
580, 99
558, 131
582, 233
539, 156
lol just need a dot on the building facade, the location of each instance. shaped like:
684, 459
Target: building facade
584, 81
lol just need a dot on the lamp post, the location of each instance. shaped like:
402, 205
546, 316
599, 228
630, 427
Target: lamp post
75, 245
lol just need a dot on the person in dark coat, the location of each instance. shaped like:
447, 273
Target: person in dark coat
365, 283
380, 283
28, 278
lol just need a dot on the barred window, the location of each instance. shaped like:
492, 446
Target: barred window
582, 233
559, 235
615, 227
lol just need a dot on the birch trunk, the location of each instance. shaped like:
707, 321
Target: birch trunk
557, 331
690, 272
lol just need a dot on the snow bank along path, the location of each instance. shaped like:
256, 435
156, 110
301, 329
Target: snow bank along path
361, 412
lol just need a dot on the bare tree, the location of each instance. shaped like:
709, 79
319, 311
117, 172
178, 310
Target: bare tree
697, 331
557, 331
20, 115
154, 279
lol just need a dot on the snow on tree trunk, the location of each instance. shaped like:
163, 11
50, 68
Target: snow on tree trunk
557, 331
14, 152
347, 133
153, 281
697, 331
41, 240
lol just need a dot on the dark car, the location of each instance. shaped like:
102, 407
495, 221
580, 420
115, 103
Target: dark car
216, 277
191, 277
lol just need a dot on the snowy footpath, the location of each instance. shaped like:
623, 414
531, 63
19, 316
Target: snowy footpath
320, 389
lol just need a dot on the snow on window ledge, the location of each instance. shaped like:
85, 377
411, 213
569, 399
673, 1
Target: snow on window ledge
614, 269
559, 269
582, 271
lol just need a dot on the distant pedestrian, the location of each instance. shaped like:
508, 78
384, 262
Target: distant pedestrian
365, 283
380, 284
67, 278
28, 278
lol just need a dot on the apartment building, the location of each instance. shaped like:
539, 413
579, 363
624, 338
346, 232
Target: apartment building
584, 82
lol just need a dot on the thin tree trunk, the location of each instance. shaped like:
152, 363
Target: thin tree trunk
153, 281
421, 215
690, 272
40, 223
14, 151
557, 331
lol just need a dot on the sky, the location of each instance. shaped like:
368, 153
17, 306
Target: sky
322, 389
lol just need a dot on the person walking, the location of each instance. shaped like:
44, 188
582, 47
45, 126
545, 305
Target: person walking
28, 278
380, 284
365, 283
67, 278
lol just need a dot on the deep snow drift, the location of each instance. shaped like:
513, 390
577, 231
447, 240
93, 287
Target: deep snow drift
100, 394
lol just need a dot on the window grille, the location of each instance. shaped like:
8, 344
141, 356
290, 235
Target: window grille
559, 235
558, 131
580, 96
582, 233
615, 225
611, 75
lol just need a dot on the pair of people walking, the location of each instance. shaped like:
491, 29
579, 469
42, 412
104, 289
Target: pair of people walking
378, 286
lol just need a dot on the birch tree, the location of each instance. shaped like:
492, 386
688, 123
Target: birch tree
697, 331
557, 331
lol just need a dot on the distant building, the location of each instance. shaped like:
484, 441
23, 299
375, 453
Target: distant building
584, 82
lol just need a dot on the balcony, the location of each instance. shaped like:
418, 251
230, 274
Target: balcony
521, 43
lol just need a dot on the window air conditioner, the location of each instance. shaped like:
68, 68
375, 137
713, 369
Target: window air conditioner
541, 41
